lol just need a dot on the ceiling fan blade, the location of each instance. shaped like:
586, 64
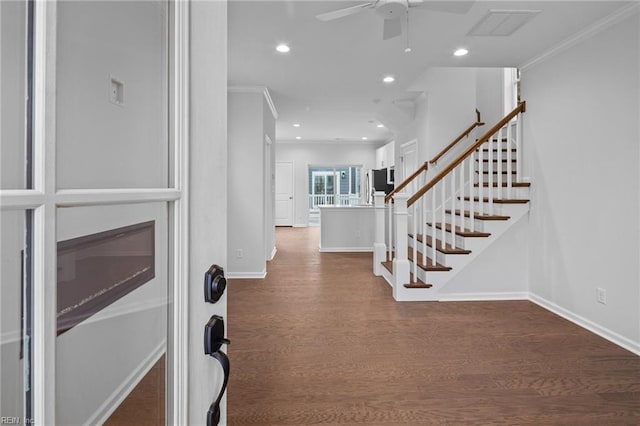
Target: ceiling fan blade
451, 6
392, 28
340, 13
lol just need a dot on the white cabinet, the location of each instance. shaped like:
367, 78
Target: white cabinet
385, 156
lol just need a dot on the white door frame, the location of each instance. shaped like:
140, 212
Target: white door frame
44, 199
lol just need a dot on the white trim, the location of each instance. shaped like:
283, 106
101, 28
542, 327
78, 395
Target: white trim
257, 89
273, 253
481, 297
377, 143
96, 197
111, 312
300, 225
20, 199
409, 143
179, 364
247, 275
346, 250
43, 366
588, 32
114, 400
604, 332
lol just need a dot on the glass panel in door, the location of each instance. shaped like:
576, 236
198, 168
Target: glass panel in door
15, 320
13, 87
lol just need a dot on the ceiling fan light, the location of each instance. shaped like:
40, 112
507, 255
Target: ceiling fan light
389, 79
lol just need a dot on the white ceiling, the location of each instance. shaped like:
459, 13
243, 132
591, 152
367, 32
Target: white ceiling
331, 80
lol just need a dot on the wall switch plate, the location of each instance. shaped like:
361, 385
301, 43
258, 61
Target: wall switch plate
601, 295
239, 253
116, 91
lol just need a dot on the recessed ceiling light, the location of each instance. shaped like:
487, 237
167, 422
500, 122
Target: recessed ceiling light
460, 52
298, 137
380, 126
296, 125
283, 48
364, 138
389, 79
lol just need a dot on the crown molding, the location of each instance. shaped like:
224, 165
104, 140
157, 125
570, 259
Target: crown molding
599, 26
257, 89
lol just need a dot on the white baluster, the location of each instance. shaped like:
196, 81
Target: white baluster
481, 178
509, 165
461, 197
490, 175
499, 164
415, 244
442, 215
471, 190
433, 223
518, 156
423, 224
453, 207
390, 228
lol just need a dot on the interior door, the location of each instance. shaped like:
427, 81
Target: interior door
284, 194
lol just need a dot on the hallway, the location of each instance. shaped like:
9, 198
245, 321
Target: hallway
321, 341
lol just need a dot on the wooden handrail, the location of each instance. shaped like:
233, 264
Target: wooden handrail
425, 166
407, 181
459, 138
437, 178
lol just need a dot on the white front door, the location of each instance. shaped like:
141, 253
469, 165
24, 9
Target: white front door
284, 194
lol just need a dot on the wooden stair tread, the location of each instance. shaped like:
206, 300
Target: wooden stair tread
495, 172
504, 184
495, 160
447, 249
463, 232
418, 284
478, 216
499, 200
429, 266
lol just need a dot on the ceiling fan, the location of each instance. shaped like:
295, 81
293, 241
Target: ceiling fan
392, 11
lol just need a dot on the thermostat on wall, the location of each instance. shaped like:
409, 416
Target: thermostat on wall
116, 91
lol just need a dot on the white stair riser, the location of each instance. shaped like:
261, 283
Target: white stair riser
444, 259
498, 209
522, 193
466, 243
477, 224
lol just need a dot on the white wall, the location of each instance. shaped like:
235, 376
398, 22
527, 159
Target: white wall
329, 154
250, 224
582, 153
208, 194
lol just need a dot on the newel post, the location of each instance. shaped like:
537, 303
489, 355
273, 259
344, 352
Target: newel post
379, 247
400, 262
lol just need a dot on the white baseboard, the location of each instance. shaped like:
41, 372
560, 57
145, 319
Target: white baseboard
346, 249
300, 225
273, 253
478, 297
115, 399
247, 275
611, 336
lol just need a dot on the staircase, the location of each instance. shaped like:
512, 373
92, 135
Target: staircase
425, 239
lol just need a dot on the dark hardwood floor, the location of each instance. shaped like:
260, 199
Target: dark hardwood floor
321, 341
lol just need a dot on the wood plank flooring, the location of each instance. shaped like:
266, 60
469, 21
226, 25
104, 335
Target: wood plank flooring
321, 341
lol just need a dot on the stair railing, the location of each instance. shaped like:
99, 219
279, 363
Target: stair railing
464, 134
421, 175
452, 188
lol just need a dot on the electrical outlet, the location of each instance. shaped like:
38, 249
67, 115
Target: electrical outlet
601, 295
239, 254
116, 91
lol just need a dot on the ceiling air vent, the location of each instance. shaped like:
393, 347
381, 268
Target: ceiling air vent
500, 23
